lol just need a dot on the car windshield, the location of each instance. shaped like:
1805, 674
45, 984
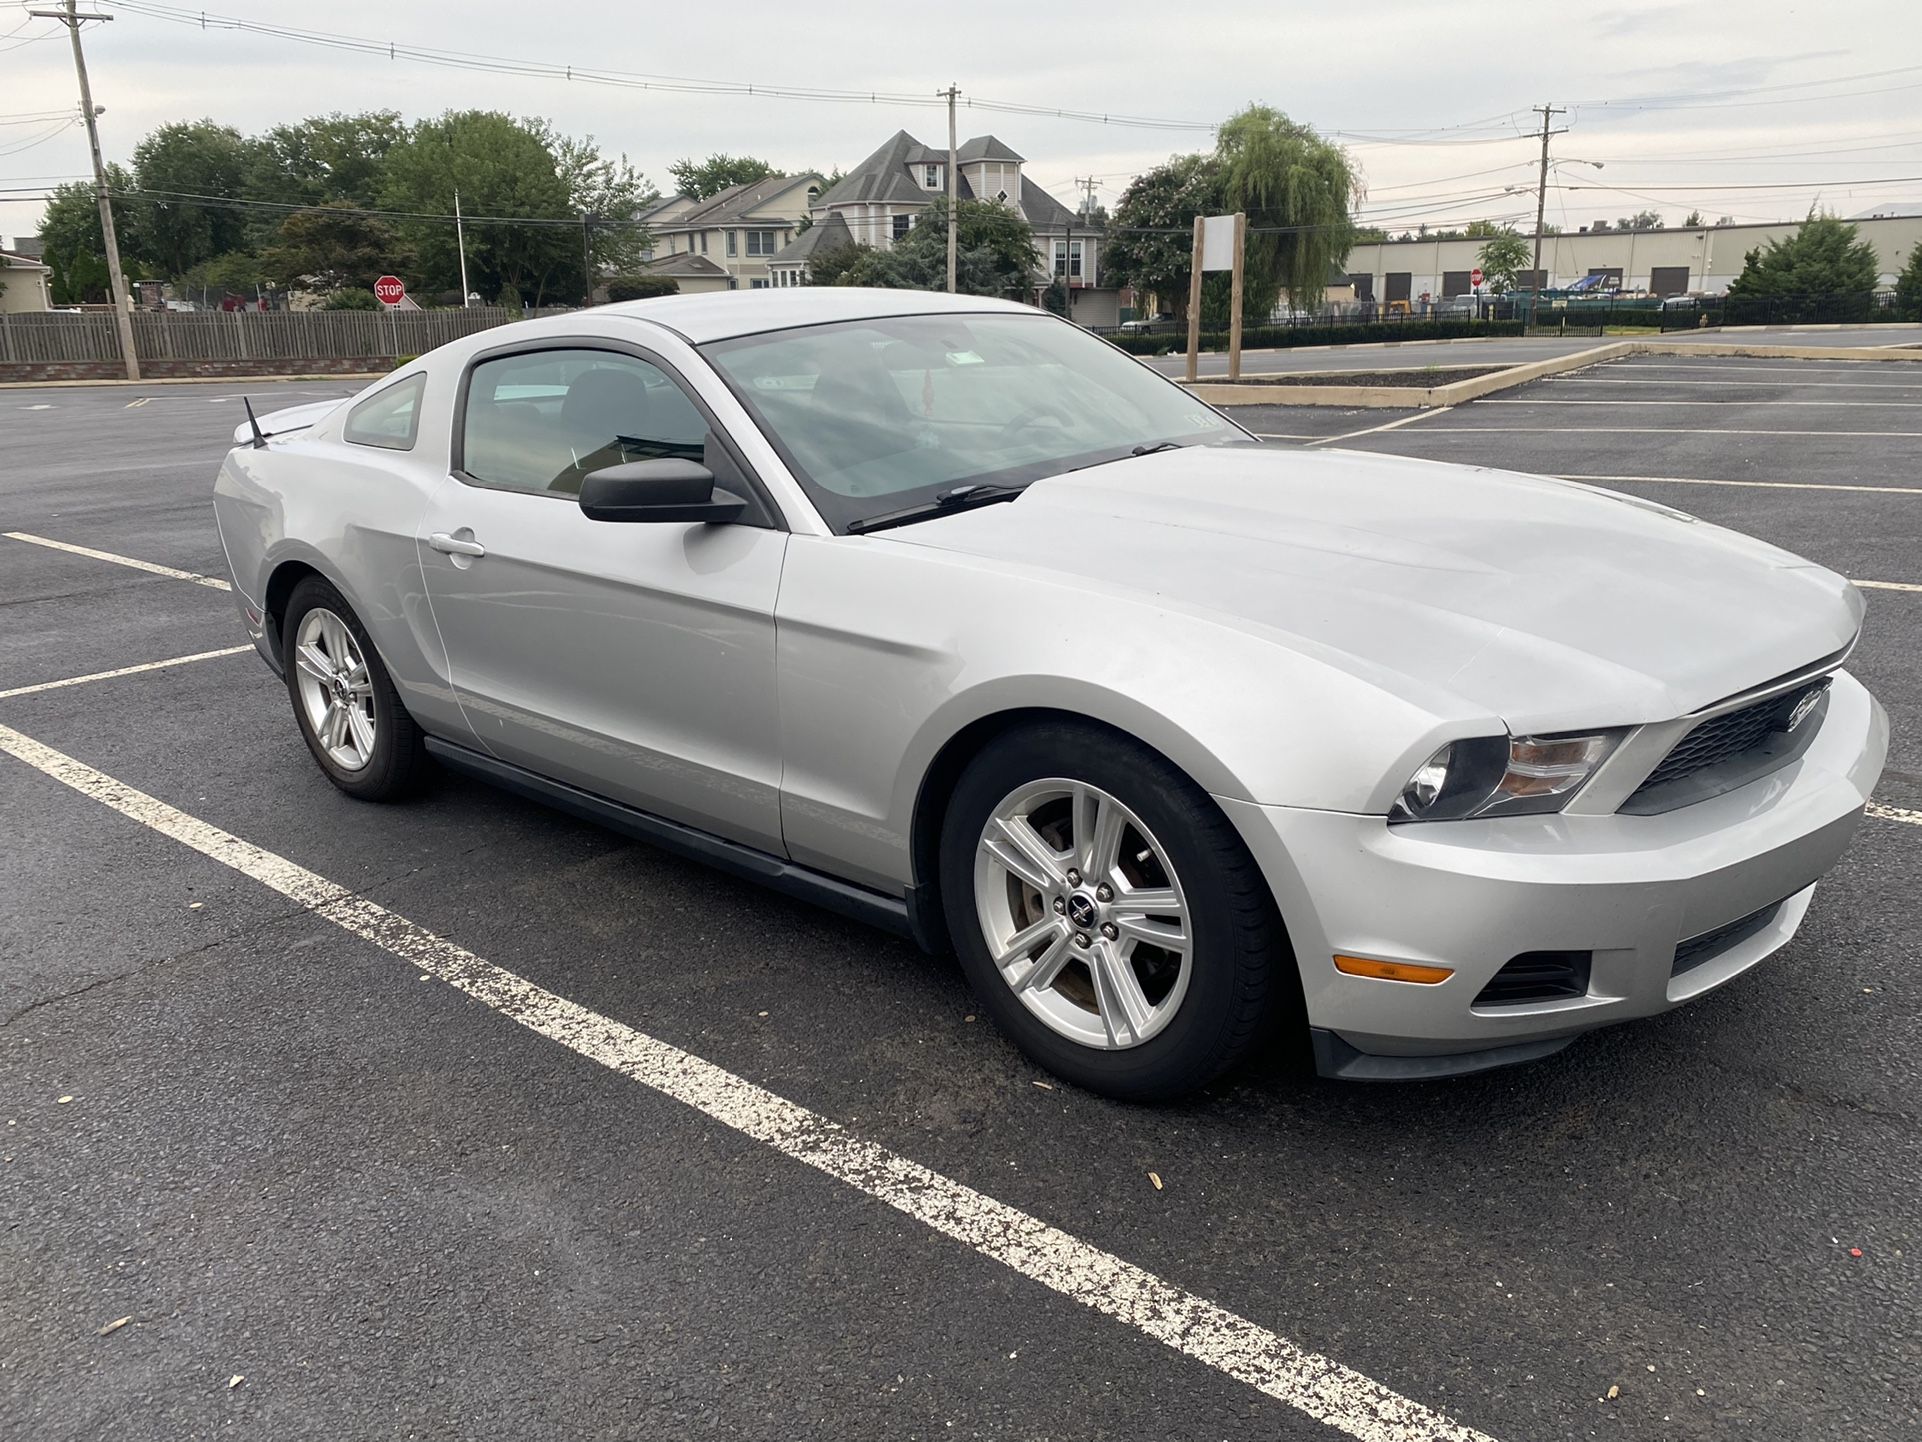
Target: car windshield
875, 415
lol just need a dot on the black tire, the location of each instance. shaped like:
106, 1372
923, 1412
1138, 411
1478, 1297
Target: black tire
398, 760
1242, 976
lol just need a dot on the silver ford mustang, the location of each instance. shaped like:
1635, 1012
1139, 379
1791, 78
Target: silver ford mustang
948, 615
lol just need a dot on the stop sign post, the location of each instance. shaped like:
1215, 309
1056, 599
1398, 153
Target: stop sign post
389, 291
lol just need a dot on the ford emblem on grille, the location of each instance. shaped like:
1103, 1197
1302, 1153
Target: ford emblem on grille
1809, 700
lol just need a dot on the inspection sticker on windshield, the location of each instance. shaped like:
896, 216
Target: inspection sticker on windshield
964, 358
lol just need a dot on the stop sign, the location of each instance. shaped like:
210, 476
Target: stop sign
1474, 277
388, 290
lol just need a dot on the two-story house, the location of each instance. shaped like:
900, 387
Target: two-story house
726, 241
877, 202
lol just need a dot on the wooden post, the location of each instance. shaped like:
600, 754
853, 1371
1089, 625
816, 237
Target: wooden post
1194, 306
1234, 301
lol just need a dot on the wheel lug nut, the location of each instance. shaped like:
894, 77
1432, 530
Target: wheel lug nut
1104, 892
1082, 940
1060, 905
1074, 877
1108, 930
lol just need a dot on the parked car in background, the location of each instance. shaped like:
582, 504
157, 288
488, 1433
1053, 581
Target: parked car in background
946, 614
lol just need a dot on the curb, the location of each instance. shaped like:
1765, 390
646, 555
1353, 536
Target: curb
1268, 393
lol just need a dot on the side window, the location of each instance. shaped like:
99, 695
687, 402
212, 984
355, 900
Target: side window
543, 420
390, 420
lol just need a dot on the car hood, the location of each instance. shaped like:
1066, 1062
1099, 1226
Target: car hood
1549, 604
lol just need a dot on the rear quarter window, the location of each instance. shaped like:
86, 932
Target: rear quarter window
391, 419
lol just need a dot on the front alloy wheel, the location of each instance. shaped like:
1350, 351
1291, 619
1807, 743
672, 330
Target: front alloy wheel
1108, 916
1083, 913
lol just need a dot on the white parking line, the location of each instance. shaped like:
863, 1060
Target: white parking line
1893, 813
1888, 585
1760, 485
1678, 431
1196, 1328
123, 671
199, 580
1639, 401
1667, 383
1385, 426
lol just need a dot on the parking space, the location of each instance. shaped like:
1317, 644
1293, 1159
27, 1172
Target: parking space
435, 1119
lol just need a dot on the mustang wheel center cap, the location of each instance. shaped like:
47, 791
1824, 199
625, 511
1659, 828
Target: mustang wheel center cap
1082, 911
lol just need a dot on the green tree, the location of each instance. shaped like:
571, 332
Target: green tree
525, 232
324, 159
1908, 286
994, 249
352, 298
70, 230
1825, 256
609, 190
1296, 189
1150, 246
1693, 220
332, 247
236, 273
641, 287
1503, 257
702, 178
185, 171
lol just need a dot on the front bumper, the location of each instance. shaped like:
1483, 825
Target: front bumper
1471, 895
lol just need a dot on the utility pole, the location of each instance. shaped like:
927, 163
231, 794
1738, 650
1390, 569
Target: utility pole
587, 258
460, 244
71, 17
1086, 183
1548, 113
952, 92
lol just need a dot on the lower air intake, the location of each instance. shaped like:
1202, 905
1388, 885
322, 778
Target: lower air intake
1538, 976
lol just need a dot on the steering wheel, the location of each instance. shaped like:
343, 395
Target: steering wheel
1006, 435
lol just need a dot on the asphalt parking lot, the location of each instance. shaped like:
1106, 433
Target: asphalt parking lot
367, 1119
1514, 350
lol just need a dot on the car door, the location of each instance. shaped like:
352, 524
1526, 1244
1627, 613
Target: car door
633, 660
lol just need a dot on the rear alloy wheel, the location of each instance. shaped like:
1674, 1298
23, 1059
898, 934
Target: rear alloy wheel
1107, 914
344, 700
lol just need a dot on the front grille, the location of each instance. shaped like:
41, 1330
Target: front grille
1749, 733
1698, 950
1538, 976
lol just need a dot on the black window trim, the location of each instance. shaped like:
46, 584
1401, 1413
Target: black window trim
415, 378
771, 516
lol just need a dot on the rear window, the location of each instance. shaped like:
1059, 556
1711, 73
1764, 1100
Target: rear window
390, 419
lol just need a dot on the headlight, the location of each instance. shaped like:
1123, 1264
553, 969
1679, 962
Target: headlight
1501, 776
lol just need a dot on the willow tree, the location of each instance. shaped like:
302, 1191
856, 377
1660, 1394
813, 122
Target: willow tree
1296, 189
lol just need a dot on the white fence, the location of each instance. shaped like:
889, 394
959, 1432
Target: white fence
89, 336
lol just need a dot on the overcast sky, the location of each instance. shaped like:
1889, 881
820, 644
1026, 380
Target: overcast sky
1431, 96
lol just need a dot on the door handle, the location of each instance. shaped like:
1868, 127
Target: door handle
441, 541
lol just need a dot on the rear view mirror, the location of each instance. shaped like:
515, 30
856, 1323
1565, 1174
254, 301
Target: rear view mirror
657, 490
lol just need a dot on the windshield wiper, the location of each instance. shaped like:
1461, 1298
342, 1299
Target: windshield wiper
961, 498
1156, 448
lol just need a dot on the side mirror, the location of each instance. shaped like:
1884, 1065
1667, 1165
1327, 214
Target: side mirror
658, 490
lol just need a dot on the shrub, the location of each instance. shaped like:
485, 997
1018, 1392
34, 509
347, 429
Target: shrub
1331, 333
353, 298
641, 287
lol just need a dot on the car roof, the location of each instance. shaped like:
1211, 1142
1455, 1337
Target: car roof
723, 314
